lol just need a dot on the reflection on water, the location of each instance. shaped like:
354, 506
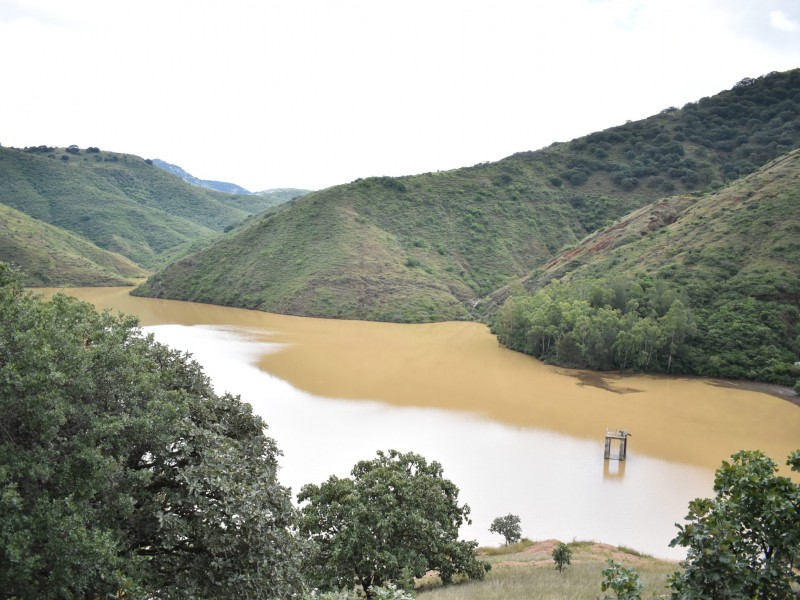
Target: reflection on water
602, 381
613, 469
515, 435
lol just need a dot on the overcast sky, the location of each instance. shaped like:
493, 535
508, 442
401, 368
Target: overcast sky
312, 93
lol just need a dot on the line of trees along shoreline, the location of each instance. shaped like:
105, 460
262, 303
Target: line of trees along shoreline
648, 325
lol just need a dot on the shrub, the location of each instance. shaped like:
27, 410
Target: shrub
622, 581
562, 556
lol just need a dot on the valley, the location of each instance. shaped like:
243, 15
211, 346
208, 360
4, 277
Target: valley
630, 219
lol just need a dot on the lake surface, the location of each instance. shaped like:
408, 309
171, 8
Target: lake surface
515, 435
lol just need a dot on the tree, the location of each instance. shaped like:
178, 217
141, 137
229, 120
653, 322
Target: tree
648, 338
677, 326
395, 519
509, 527
121, 472
624, 582
562, 556
745, 542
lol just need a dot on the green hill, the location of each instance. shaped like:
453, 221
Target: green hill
54, 257
119, 202
281, 195
706, 284
428, 247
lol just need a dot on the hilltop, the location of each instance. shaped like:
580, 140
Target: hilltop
119, 202
433, 246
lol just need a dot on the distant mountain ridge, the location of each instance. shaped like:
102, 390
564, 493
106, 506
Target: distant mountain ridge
278, 195
430, 247
220, 186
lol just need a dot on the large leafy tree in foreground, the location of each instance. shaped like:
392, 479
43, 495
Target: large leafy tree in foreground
745, 542
121, 471
395, 519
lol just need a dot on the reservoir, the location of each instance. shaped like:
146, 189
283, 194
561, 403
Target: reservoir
515, 435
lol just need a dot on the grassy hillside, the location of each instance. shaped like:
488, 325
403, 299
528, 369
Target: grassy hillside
730, 258
409, 249
119, 202
428, 247
740, 240
54, 257
308, 267
526, 570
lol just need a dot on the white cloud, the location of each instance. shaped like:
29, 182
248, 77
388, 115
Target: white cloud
782, 22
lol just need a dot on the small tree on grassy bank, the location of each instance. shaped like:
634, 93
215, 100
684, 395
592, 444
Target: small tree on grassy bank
562, 556
509, 527
624, 582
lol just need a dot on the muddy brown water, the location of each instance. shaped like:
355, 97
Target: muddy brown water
514, 434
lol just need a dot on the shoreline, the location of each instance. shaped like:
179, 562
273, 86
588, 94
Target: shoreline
602, 380
783, 392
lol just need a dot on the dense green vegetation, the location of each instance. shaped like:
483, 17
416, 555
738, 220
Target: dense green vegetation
744, 542
119, 202
395, 520
430, 247
706, 143
712, 290
122, 472
54, 257
622, 325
